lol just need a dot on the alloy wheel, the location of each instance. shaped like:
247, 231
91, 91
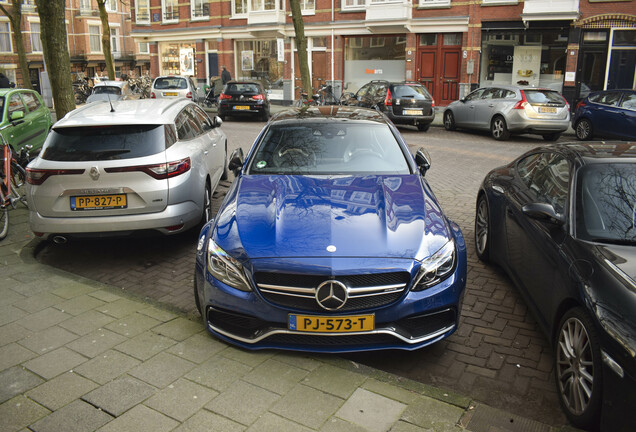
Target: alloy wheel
481, 228
583, 130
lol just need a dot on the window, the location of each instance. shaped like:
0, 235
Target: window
31, 101
629, 101
5, 37
376, 42
477, 94
263, 5
143, 11
353, 4
15, 104
434, 3
85, 5
110, 5
144, 48
170, 10
307, 5
239, 7
429, 39
549, 181
114, 39
36, 42
95, 38
199, 9
452, 39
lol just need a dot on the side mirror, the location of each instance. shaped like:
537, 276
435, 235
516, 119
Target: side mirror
543, 212
423, 160
17, 115
217, 121
236, 161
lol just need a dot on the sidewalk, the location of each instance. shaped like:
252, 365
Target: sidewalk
77, 355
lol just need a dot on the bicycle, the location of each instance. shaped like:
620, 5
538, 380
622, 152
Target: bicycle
12, 176
304, 100
326, 95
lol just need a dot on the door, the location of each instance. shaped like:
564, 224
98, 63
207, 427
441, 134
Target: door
438, 68
464, 112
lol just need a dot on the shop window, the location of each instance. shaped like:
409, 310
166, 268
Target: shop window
452, 39
354, 42
374, 48
429, 39
259, 62
171, 58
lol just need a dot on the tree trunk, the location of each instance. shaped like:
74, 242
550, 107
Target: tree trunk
108, 57
15, 19
56, 55
301, 46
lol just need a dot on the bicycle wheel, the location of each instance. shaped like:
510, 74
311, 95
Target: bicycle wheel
18, 178
4, 222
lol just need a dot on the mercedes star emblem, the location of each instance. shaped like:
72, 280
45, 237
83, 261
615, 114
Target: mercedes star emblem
331, 295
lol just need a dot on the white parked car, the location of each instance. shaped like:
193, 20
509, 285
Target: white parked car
145, 165
174, 86
111, 91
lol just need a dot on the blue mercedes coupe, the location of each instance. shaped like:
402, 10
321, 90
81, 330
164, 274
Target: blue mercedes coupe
330, 240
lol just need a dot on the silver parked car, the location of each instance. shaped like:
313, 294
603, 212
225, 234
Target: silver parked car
111, 91
507, 109
146, 165
174, 86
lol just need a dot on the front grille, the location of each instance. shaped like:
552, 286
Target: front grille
333, 341
366, 291
426, 324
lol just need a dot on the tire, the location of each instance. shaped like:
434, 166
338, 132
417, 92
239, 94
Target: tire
578, 370
423, 127
482, 229
226, 173
583, 130
551, 137
499, 129
449, 121
207, 204
4, 222
265, 116
197, 300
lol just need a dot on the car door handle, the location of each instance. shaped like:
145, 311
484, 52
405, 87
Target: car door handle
491, 105
205, 152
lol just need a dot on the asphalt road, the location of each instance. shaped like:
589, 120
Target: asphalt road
497, 355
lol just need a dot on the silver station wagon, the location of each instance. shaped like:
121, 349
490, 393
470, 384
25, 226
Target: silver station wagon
140, 165
508, 109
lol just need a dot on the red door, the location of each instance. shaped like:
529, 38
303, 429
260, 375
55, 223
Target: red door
438, 67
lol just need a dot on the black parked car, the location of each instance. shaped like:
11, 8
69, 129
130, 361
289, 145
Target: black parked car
561, 221
406, 103
607, 113
244, 98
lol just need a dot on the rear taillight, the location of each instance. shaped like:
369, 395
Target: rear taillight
189, 95
432, 103
522, 103
567, 104
388, 101
158, 171
153, 95
581, 104
223, 96
258, 97
37, 176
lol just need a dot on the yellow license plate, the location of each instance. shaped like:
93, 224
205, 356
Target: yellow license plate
323, 324
241, 107
99, 202
170, 94
412, 112
550, 110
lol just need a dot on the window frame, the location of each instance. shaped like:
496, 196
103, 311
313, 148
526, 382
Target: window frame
9, 39
38, 40
433, 3
98, 36
140, 6
205, 11
357, 5
173, 5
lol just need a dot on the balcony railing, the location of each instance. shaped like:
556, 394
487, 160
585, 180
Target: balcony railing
266, 17
389, 10
202, 11
543, 9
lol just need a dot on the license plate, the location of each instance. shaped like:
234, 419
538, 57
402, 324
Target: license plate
170, 94
412, 112
99, 202
550, 110
323, 324
241, 107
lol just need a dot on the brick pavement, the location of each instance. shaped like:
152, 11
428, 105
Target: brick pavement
497, 355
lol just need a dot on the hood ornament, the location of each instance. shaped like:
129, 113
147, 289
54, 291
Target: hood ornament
94, 173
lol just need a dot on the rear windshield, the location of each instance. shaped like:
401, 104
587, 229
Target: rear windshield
544, 96
242, 88
410, 91
171, 83
104, 143
107, 90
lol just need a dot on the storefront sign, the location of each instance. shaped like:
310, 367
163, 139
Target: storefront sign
280, 49
247, 60
373, 71
186, 57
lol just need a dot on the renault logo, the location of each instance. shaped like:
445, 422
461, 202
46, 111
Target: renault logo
331, 295
94, 173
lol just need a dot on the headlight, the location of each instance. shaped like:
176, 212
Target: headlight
436, 268
225, 268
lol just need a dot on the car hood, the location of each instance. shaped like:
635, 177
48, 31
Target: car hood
337, 216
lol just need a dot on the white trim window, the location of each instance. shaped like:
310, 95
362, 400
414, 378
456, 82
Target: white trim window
95, 38
434, 3
199, 9
308, 6
142, 11
239, 8
6, 44
487, 2
110, 5
353, 4
264, 5
36, 42
114, 40
85, 6
28, 5
169, 11
144, 48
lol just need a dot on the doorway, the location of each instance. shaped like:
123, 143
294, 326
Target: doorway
438, 65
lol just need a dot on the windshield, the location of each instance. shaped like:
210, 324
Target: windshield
544, 96
329, 148
104, 142
107, 90
606, 203
171, 83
